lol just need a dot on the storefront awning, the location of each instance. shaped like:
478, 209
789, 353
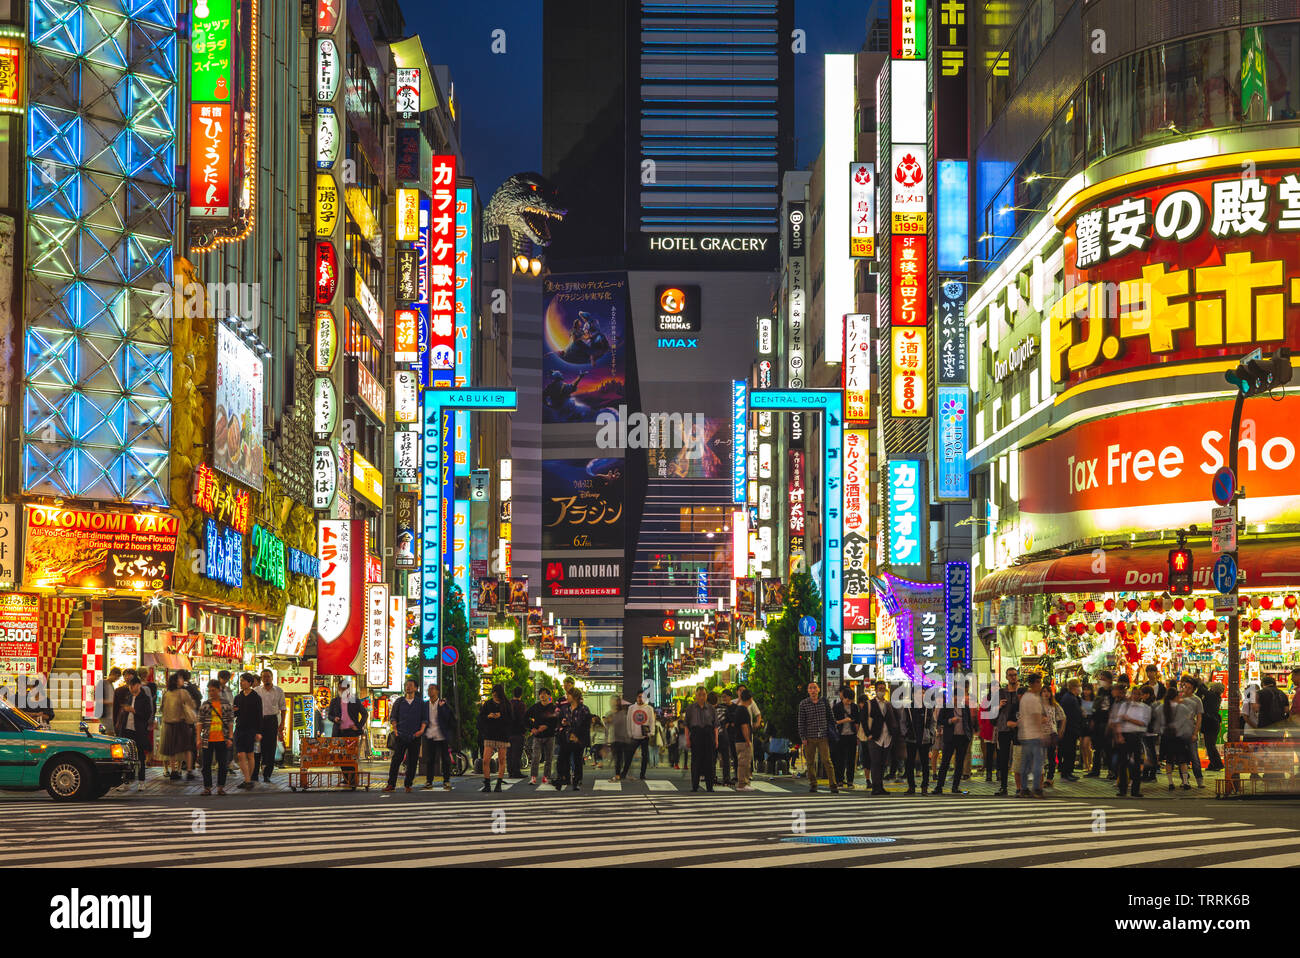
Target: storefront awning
1269, 564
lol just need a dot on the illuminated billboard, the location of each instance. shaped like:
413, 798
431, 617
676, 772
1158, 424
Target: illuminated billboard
862, 209
908, 361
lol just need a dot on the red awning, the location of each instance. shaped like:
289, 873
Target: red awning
1266, 564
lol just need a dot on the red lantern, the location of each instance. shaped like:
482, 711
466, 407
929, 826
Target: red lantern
1212, 625
1069, 608
1189, 626
1101, 627
1090, 606
1265, 602
1131, 605
1110, 605
1276, 625
1146, 627
1122, 627
1255, 625
1244, 600
1200, 605
1289, 602
1168, 625
1052, 619
1080, 628
1179, 604
1157, 605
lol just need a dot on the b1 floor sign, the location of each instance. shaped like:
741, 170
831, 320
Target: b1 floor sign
1225, 573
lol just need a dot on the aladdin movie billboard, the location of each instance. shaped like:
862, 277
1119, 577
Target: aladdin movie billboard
584, 357
582, 504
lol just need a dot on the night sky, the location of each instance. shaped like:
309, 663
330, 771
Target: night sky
499, 96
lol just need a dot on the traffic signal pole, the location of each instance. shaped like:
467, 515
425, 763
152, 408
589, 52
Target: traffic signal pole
1234, 620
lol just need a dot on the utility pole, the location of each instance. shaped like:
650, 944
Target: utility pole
1253, 376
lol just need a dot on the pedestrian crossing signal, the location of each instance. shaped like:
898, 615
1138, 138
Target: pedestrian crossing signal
1180, 571
1255, 376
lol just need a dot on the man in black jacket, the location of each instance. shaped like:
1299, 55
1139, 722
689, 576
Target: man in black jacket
1006, 722
1211, 700
882, 731
845, 713
1070, 705
517, 710
1103, 699
408, 721
439, 732
957, 725
542, 719
134, 717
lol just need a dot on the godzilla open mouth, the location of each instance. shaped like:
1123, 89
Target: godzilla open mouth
538, 220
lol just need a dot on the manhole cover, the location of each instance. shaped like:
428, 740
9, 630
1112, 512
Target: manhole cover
839, 840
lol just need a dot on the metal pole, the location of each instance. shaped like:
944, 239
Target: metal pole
1234, 619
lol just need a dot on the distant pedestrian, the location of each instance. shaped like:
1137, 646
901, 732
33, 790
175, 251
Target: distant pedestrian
1128, 722
847, 719
618, 735
274, 710
1033, 727
196, 699
178, 738
883, 731
641, 729
917, 727
494, 723
579, 735
134, 716
1187, 693
1006, 723
215, 736
815, 721
1174, 722
105, 697
956, 725
439, 733
563, 745
407, 720
702, 739
517, 729
346, 714
247, 710
1211, 696
721, 703
742, 735
1104, 698
542, 720
1067, 749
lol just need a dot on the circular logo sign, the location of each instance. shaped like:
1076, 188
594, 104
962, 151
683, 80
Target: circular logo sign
672, 300
449, 655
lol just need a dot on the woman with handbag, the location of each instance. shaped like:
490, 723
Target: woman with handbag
178, 715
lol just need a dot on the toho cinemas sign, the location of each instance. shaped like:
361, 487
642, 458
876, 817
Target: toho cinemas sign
1151, 469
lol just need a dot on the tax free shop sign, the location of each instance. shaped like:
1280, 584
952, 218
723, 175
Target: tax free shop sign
1152, 469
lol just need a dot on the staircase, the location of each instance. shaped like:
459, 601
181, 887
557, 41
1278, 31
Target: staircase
66, 676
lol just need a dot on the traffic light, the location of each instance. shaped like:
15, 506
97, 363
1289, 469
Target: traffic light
1255, 376
1180, 571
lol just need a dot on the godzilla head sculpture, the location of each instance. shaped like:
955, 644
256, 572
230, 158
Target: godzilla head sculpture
525, 204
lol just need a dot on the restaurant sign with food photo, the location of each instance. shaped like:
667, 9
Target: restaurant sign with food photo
237, 431
84, 549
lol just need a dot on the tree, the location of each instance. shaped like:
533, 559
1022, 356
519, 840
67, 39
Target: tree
510, 668
780, 674
468, 675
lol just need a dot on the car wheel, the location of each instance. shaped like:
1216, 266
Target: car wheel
69, 779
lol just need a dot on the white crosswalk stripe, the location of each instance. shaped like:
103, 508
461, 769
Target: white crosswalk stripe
617, 825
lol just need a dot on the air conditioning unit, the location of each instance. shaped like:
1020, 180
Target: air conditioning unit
165, 616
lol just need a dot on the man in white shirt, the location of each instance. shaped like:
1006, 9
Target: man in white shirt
274, 710
439, 723
1128, 720
105, 689
641, 729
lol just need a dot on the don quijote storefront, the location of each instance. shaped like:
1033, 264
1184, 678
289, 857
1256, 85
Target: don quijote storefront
1166, 277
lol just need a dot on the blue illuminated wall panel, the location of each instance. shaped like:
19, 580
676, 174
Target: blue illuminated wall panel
101, 227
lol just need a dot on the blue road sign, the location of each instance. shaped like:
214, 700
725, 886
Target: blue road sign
1223, 486
1225, 574
807, 625
449, 655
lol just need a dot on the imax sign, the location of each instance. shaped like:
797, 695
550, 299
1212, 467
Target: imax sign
665, 342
